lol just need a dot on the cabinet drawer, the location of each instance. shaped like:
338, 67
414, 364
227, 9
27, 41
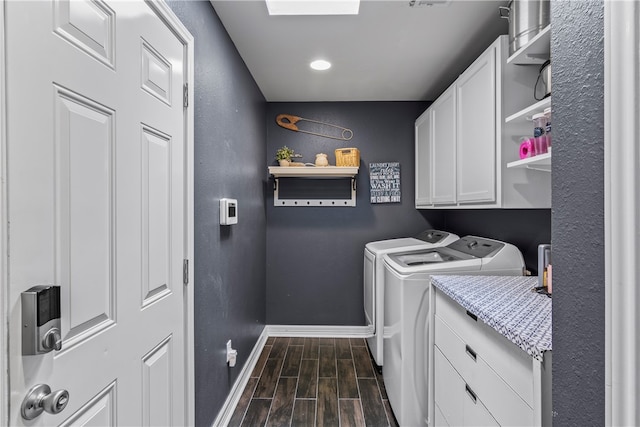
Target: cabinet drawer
475, 412
439, 418
512, 363
447, 389
500, 399
455, 400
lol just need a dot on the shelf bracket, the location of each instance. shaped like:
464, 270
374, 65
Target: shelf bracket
539, 168
541, 57
351, 202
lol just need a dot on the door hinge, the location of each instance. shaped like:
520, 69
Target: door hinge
185, 271
185, 95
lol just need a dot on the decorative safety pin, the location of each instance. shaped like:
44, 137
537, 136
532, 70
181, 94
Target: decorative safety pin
289, 121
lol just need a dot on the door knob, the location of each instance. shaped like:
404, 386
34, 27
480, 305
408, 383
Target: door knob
40, 399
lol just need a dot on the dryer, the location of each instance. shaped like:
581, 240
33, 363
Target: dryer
407, 317
374, 278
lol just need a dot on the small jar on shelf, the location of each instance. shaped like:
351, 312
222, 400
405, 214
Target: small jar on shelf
539, 133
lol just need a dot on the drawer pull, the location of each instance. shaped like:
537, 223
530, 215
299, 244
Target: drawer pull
472, 354
473, 316
471, 394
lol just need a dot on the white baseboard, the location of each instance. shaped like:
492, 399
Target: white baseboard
226, 412
319, 331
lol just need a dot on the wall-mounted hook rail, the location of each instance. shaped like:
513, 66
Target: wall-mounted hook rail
314, 173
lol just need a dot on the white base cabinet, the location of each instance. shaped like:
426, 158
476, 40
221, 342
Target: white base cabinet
463, 143
457, 404
480, 377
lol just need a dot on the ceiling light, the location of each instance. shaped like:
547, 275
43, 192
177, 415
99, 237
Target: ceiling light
313, 7
320, 65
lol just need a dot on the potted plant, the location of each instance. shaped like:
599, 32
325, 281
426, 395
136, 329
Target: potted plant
284, 155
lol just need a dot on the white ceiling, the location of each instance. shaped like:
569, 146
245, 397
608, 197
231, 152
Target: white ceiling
388, 52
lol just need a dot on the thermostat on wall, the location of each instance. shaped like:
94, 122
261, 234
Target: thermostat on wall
228, 211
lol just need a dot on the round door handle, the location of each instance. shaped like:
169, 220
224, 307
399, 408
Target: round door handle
55, 402
40, 399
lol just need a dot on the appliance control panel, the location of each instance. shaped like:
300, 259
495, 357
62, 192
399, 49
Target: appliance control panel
477, 246
432, 236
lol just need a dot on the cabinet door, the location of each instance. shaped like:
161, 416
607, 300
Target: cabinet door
476, 130
443, 141
423, 157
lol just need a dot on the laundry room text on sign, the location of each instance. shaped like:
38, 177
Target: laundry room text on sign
384, 181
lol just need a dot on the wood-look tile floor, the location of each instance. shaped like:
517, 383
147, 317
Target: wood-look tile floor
314, 382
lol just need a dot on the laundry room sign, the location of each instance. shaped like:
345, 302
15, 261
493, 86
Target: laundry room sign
384, 180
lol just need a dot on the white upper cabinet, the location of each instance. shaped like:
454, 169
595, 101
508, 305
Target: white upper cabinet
436, 152
423, 157
443, 157
476, 130
463, 143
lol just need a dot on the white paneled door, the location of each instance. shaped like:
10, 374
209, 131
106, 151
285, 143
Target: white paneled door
96, 205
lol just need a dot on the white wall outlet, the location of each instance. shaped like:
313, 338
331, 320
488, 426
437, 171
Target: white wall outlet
232, 354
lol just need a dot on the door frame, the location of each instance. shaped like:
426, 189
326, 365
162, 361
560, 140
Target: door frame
4, 276
163, 11
622, 211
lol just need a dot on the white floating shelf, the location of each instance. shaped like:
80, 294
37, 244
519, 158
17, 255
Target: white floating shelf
525, 114
540, 162
313, 171
535, 52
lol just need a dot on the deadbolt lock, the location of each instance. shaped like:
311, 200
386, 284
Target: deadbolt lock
41, 320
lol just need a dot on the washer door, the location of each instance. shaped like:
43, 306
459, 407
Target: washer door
426, 257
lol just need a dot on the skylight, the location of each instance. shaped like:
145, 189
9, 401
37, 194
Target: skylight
313, 7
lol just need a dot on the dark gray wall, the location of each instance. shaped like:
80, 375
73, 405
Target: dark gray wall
229, 162
525, 228
577, 53
315, 254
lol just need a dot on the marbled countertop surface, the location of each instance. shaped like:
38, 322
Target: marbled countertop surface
507, 304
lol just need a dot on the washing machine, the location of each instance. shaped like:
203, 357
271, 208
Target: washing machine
407, 318
374, 278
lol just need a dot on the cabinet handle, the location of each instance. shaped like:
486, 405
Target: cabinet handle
473, 316
471, 394
472, 354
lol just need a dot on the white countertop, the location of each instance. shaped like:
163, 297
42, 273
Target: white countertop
507, 304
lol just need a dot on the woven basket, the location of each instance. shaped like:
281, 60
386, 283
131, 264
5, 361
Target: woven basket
347, 157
